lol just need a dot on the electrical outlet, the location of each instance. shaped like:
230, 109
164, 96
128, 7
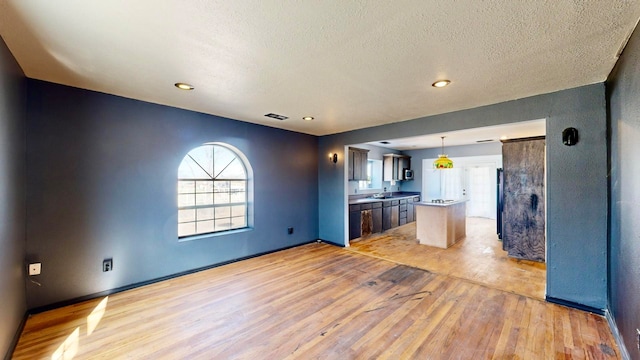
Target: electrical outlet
290, 230
107, 265
35, 268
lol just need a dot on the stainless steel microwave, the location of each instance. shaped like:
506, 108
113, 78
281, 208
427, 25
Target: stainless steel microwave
408, 174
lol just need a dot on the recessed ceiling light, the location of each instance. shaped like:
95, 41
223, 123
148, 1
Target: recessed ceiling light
307, 118
503, 137
184, 86
441, 83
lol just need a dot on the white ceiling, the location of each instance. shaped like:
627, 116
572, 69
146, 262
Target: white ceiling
350, 64
469, 136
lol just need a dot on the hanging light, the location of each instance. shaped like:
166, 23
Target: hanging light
443, 162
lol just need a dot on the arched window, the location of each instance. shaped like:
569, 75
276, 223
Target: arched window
213, 191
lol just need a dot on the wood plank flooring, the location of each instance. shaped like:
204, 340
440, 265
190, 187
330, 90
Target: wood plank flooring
315, 301
478, 257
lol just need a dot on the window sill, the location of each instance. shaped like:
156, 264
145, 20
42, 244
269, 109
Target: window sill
214, 235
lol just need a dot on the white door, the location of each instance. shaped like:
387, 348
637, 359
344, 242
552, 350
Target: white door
441, 183
452, 183
480, 190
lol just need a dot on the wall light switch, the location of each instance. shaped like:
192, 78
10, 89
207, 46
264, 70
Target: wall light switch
35, 268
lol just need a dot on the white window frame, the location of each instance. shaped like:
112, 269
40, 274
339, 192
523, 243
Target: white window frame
209, 226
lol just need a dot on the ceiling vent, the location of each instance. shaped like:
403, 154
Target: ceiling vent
384, 142
484, 141
276, 116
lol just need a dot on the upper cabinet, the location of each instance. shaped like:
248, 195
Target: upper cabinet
358, 159
394, 166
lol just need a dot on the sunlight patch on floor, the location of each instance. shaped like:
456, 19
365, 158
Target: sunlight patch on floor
96, 315
70, 346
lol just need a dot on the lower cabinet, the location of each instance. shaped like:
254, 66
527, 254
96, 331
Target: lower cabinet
390, 214
395, 213
365, 219
355, 224
376, 217
411, 208
386, 215
403, 212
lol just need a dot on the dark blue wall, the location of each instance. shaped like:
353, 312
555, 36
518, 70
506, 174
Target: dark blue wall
576, 181
12, 197
623, 91
102, 183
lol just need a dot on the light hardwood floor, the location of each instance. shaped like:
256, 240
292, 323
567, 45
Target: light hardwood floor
315, 301
478, 257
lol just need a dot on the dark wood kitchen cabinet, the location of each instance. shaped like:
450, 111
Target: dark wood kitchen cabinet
390, 214
411, 208
386, 215
523, 214
365, 219
402, 217
355, 223
358, 160
376, 215
394, 165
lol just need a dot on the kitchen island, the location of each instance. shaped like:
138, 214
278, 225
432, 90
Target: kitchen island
440, 223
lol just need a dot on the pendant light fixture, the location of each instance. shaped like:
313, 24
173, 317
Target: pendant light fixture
443, 162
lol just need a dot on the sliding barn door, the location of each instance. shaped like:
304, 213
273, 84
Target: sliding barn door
523, 217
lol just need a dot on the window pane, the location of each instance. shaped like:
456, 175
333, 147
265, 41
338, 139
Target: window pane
238, 185
223, 224
205, 214
189, 169
186, 215
223, 212
186, 187
237, 197
204, 199
204, 186
238, 222
186, 200
235, 170
203, 158
223, 158
186, 229
239, 210
222, 198
205, 226
221, 186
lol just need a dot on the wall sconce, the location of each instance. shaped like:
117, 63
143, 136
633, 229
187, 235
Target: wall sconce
570, 136
333, 158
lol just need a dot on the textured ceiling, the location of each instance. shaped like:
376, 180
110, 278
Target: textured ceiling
350, 64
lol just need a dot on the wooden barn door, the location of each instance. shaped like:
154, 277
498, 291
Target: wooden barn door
523, 216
